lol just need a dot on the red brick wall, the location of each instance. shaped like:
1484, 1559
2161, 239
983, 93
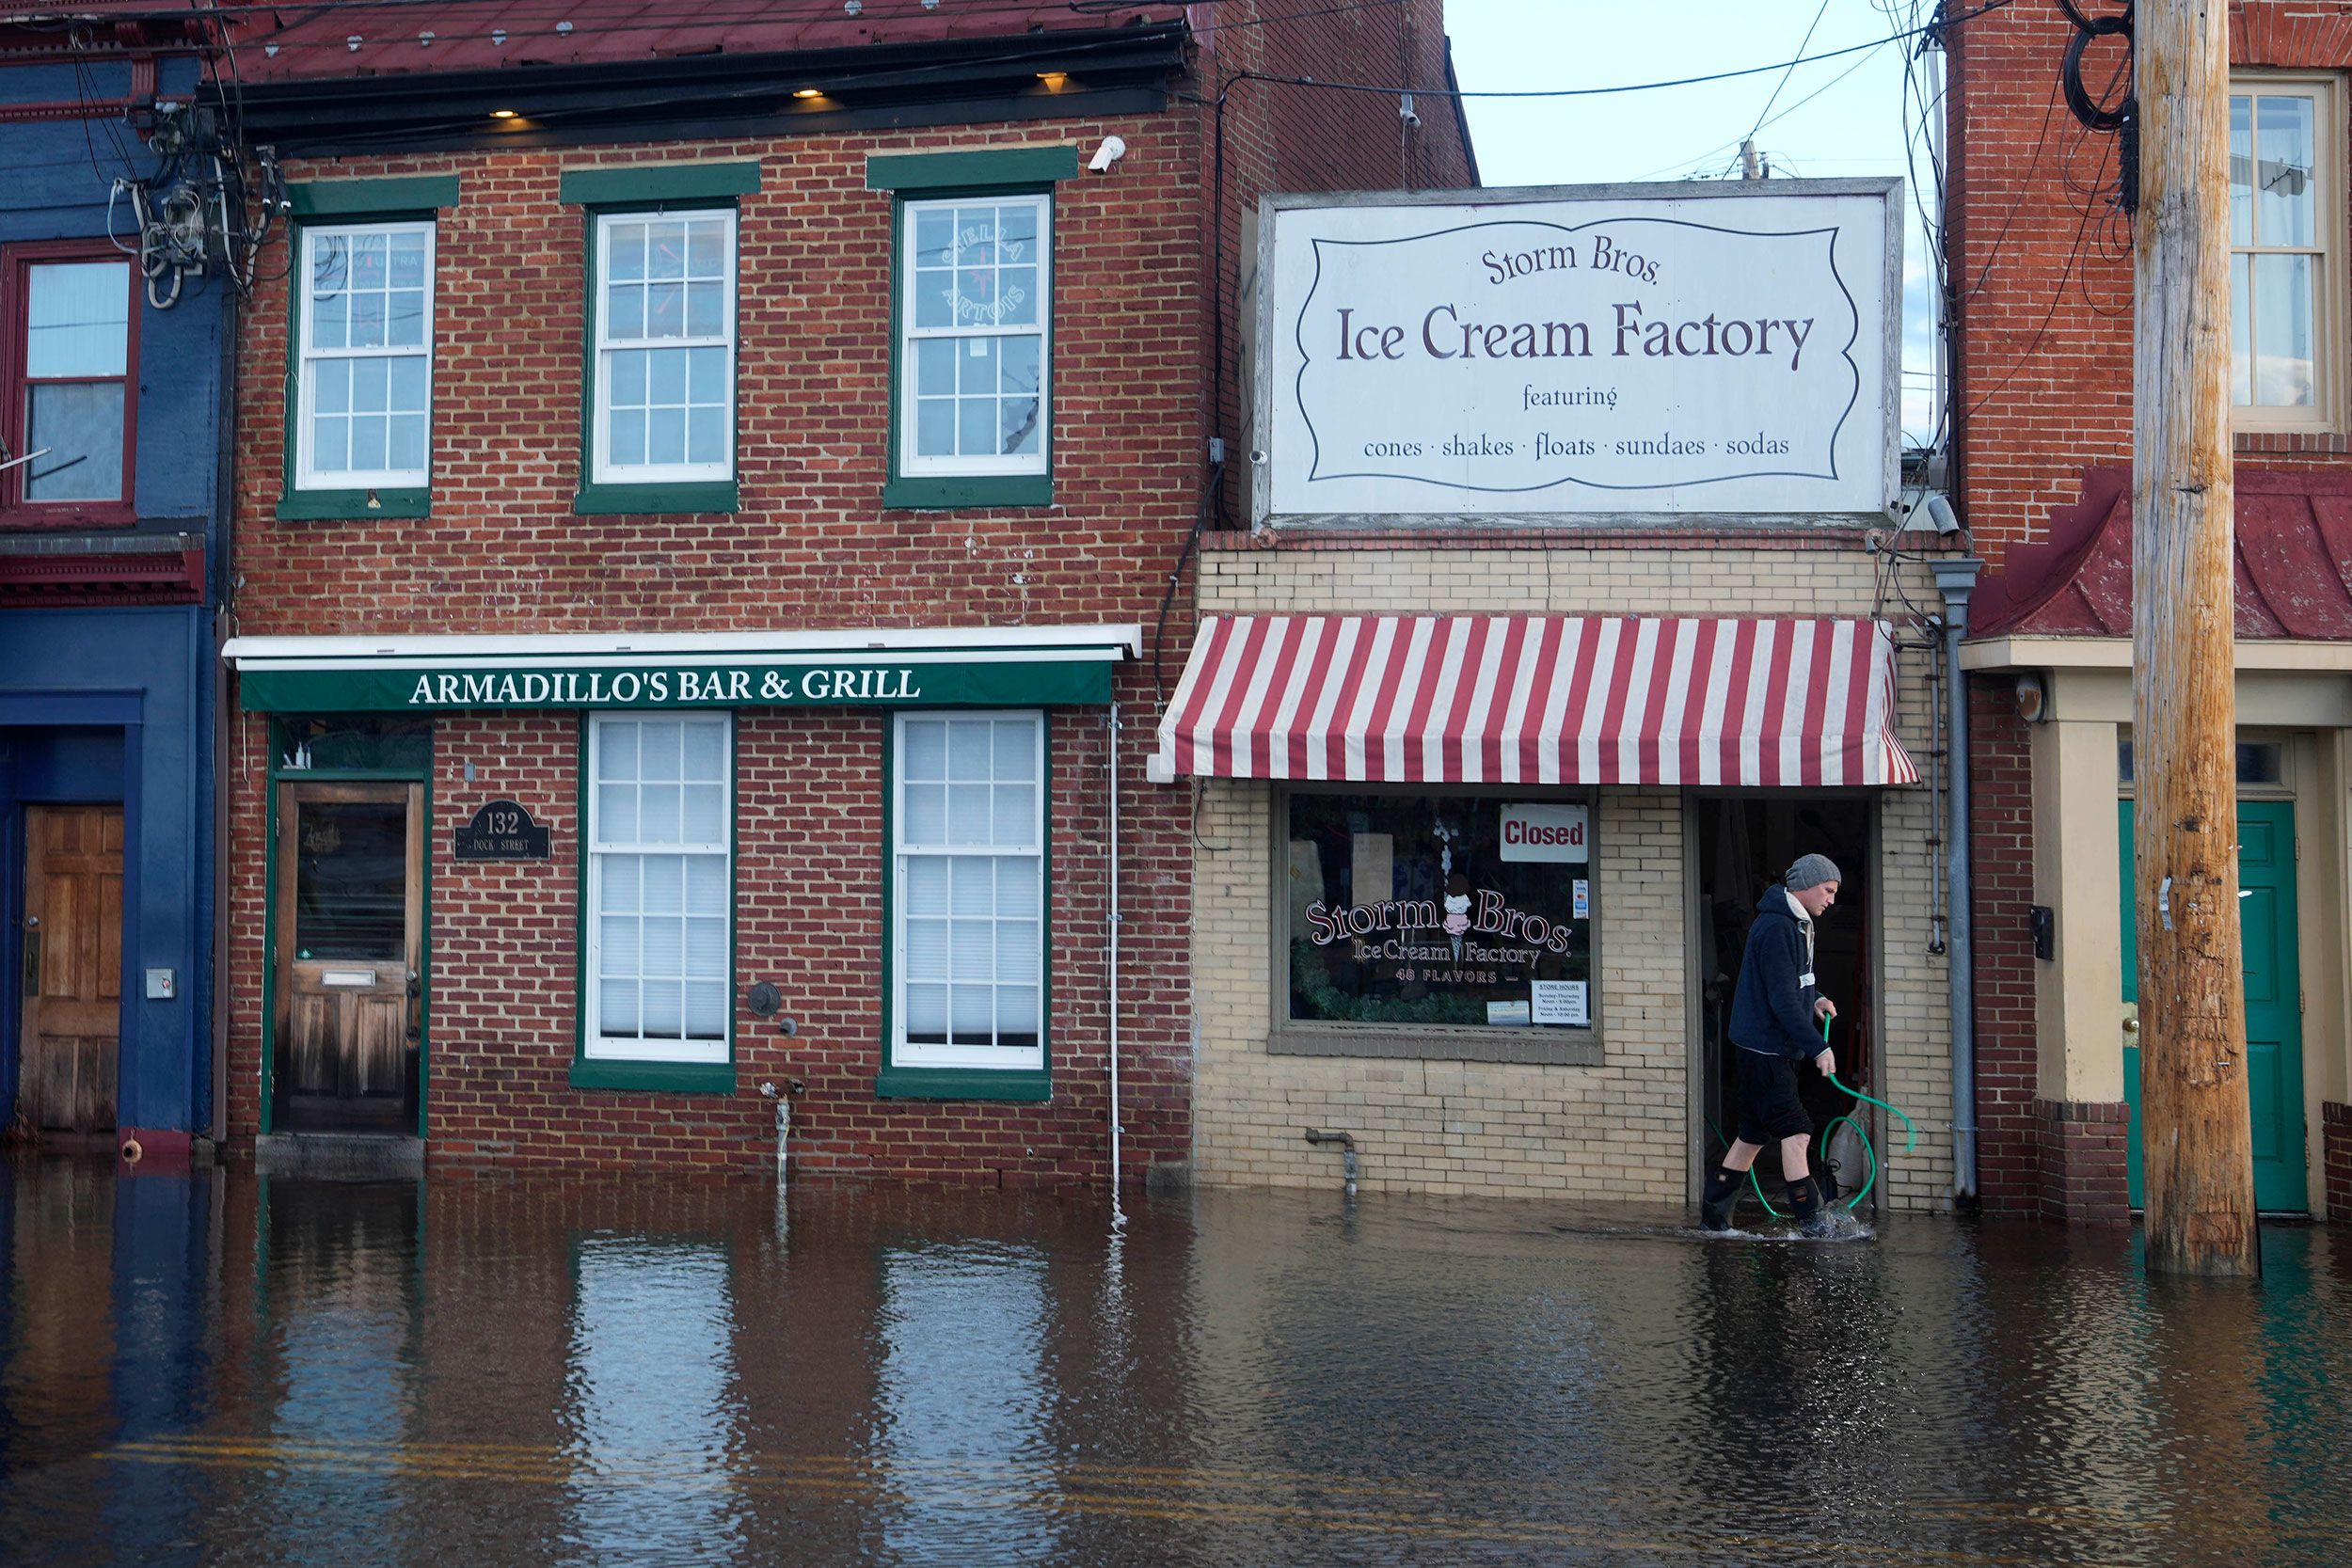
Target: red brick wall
2000, 783
2335, 1133
2041, 268
2084, 1180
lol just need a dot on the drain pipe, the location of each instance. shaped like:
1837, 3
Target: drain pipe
1956, 578
793, 1088
1111, 770
1347, 1153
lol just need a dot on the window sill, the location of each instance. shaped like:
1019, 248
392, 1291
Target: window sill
657, 1077
1030, 1085
936, 494
1441, 1045
647, 500
324, 506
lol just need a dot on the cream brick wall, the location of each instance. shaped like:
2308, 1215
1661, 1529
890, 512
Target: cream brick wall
1618, 1132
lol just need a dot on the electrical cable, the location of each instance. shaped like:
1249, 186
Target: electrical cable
1781, 86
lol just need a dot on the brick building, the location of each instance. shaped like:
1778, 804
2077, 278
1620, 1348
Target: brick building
708, 495
2039, 257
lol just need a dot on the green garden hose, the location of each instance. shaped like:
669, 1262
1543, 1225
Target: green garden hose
1911, 1140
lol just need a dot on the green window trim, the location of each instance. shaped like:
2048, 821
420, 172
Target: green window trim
320, 506
693, 183
1029, 1085
668, 498
898, 1081
654, 1077
414, 196
935, 492
636, 1073
938, 492
664, 498
967, 172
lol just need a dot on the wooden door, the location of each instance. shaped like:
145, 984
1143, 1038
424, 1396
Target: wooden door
349, 990
72, 968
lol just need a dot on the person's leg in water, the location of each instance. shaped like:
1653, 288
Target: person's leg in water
1804, 1194
1724, 1183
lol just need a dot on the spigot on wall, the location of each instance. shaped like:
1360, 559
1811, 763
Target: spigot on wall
1347, 1153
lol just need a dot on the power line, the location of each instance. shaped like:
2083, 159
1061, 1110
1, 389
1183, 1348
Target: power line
1780, 86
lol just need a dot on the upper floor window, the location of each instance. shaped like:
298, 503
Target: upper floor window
664, 362
364, 379
977, 324
67, 364
2286, 175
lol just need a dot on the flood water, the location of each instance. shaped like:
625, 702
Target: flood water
221, 1369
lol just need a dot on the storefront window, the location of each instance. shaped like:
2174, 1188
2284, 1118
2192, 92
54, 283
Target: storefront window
968, 899
1440, 911
659, 888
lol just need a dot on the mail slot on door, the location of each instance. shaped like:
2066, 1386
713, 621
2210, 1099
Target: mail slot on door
347, 978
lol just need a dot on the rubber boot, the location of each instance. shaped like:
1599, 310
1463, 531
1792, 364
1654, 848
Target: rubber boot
1804, 1207
1722, 1196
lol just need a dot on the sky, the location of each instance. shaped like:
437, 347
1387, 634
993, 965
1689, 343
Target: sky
1838, 118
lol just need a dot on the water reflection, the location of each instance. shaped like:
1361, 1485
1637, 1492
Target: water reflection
219, 1371
650, 1405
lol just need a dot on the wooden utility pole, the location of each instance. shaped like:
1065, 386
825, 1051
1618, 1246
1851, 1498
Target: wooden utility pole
2196, 1138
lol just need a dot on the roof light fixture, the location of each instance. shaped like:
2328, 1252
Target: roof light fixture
501, 113
1055, 80
808, 93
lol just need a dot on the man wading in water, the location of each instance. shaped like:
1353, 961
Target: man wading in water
1775, 1022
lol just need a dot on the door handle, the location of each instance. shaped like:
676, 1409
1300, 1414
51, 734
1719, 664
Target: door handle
32, 958
416, 992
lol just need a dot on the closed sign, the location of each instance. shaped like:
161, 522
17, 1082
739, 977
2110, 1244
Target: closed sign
1544, 833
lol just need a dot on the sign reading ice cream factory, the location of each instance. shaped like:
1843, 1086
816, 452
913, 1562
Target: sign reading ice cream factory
1652, 349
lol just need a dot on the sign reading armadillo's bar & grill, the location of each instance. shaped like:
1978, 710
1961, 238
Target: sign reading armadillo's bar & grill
1653, 349
416, 687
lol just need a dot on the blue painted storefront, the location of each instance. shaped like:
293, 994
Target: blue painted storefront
107, 681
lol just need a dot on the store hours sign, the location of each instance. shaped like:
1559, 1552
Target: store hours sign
1633, 349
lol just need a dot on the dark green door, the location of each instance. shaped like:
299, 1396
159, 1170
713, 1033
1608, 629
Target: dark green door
2274, 1002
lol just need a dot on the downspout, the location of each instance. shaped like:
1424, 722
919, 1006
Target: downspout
1956, 578
1111, 769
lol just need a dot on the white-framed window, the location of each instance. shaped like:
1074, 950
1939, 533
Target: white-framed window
661, 887
364, 376
664, 357
975, 323
968, 894
2287, 177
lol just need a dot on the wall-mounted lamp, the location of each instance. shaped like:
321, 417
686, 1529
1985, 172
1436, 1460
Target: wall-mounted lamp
1112, 150
2033, 699
808, 93
501, 113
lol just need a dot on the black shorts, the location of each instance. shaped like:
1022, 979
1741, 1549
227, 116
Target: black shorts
1769, 1107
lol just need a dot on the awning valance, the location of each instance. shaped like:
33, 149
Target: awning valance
1529, 699
849, 667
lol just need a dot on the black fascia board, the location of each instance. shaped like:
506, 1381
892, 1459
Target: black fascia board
1125, 70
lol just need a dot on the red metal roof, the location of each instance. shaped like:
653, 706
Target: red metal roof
2294, 563
294, 43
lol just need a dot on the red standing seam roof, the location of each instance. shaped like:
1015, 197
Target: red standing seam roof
2294, 564
296, 43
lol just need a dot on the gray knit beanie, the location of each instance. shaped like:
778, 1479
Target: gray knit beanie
1812, 871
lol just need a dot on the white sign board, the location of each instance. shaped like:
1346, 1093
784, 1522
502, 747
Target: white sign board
1535, 830
1652, 349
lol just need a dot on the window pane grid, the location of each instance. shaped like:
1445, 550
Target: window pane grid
366, 373
2277, 266
665, 333
970, 894
660, 900
975, 319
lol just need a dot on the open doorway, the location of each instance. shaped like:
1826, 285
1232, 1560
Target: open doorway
1745, 842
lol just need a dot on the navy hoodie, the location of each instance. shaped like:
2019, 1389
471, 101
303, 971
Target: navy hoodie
1771, 1013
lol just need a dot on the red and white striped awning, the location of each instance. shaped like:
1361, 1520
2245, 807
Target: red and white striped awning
1537, 698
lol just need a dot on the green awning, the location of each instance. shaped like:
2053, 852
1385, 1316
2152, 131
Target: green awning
932, 667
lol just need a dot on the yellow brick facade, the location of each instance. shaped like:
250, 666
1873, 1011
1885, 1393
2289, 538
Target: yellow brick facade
1621, 1131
